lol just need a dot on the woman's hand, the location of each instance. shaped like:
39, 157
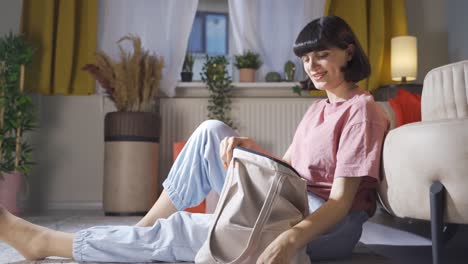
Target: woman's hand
280, 251
226, 148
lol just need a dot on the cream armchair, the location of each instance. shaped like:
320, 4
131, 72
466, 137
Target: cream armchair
425, 164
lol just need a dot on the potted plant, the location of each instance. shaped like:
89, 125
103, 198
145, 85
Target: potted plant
131, 133
17, 116
187, 69
289, 71
219, 83
247, 63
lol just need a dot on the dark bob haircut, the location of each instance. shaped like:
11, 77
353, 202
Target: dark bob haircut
332, 31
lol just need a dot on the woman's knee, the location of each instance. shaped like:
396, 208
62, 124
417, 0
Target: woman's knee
333, 247
340, 241
217, 127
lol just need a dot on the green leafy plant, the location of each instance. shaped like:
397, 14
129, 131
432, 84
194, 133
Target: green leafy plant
17, 111
133, 82
273, 77
297, 89
249, 60
219, 83
188, 63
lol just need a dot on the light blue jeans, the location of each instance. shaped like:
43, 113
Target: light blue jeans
197, 170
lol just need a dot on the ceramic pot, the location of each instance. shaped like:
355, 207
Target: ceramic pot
247, 75
9, 189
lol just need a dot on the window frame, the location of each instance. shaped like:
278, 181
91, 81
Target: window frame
203, 15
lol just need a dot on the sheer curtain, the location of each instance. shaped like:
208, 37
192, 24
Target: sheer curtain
163, 26
270, 28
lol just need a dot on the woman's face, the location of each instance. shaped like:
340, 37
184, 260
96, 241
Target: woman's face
324, 66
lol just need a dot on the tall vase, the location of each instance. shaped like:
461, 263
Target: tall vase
9, 189
131, 162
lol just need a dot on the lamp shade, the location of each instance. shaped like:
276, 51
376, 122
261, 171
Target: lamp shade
404, 58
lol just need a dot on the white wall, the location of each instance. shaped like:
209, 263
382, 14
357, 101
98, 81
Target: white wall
69, 152
10, 14
458, 34
213, 5
427, 20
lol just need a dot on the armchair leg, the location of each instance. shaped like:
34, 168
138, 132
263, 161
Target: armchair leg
437, 198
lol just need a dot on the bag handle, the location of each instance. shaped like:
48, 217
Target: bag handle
264, 213
259, 222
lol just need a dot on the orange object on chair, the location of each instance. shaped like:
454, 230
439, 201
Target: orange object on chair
201, 208
407, 107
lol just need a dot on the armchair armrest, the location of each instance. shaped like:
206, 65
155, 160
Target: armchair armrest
417, 154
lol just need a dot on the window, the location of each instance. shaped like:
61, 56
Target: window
209, 34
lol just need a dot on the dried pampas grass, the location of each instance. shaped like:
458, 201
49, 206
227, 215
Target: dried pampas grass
133, 82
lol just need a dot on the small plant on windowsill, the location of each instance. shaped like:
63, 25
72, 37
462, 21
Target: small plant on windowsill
289, 71
187, 69
247, 63
214, 74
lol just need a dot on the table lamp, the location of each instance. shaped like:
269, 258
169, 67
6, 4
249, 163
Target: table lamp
404, 58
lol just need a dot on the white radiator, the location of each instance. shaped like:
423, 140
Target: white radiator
271, 122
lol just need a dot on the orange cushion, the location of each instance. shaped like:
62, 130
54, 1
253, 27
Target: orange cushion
177, 148
201, 208
407, 107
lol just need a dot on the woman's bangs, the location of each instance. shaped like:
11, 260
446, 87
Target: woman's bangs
311, 45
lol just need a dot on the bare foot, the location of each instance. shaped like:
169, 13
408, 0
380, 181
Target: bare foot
25, 237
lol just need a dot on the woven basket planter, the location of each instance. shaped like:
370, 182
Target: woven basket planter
131, 162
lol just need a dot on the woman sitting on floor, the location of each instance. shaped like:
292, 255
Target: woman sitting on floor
336, 148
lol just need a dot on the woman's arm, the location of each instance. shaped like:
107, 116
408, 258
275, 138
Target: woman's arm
287, 156
328, 215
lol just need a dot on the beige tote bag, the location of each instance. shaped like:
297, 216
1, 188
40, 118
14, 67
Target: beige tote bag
261, 198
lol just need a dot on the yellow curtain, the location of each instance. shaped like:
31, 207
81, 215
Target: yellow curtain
64, 35
374, 22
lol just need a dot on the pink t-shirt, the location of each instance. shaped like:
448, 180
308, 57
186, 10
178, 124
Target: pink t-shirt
342, 139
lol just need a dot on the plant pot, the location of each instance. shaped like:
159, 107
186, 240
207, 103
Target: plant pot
131, 162
247, 75
9, 189
186, 76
